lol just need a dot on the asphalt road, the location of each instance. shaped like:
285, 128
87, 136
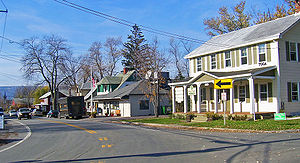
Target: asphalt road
54, 140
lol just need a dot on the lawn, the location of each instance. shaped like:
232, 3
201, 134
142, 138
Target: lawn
266, 125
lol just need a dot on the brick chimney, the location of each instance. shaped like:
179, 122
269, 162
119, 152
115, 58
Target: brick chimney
125, 70
297, 6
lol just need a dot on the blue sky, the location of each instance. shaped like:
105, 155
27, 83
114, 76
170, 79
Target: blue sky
27, 18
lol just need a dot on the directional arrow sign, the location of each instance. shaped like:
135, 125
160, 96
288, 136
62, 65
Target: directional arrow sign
223, 84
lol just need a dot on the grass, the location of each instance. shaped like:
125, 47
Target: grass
265, 125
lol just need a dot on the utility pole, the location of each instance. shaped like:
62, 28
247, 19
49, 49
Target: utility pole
92, 86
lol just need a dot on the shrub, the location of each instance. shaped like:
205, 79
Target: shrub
213, 116
180, 116
229, 116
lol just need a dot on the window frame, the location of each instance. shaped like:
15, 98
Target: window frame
227, 59
146, 102
263, 92
262, 53
244, 56
213, 64
295, 91
199, 64
296, 51
244, 93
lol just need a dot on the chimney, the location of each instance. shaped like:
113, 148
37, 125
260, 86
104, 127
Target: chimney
297, 6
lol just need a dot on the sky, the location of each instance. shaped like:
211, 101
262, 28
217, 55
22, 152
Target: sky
37, 18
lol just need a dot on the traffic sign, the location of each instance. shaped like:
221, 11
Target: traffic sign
223, 84
191, 91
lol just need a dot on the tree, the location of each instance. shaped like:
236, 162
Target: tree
43, 61
227, 22
113, 51
239, 18
40, 91
136, 51
177, 50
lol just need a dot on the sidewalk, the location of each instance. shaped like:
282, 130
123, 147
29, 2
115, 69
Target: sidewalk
12, 133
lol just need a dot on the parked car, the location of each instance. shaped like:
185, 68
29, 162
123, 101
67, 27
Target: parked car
53, 113
1, 111
37, 112
12, 113
24, 113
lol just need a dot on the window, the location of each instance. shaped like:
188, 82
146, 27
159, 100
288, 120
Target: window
294, 91
144, 105
213, 61
262, 52
244, 56
227, 59
199, 64
263, 92
293, 51
242, 93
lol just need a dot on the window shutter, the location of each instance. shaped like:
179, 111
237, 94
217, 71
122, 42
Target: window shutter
298, 52
195, 65
270, 92
268, 52
203, 63
211, 93
289, 87
256, 92
287, 48
204, 94
235, 94
247, 94
255, 54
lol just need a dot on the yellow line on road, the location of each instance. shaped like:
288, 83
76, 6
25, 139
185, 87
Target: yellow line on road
89, 131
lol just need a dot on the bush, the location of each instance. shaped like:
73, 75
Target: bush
180, 116
213, 116
239, 117
229, 116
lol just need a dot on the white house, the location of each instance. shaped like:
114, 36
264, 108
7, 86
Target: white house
262, 60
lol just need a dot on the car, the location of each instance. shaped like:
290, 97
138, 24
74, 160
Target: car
53, 113
1, 111
12, 113
37, 112
24, 113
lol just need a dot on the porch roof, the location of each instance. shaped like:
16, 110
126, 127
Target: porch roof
256, 72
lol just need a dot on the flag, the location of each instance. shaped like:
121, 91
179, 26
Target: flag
94, 83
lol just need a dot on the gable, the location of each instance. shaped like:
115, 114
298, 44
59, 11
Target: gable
205, 78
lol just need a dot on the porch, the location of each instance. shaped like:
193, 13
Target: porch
253, 91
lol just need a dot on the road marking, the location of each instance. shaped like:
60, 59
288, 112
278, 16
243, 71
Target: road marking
103, 146
89, 131
105, 138
100, 139
107, 145
26, 137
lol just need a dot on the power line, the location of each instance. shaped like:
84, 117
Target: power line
130, 24
4, 26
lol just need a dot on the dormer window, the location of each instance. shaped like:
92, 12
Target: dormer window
244, 56
213, 61
262, 52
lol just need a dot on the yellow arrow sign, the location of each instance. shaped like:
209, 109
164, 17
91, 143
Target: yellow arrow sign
223, 84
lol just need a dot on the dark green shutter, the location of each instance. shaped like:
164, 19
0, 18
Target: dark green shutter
289, 87
204, 94
287, 48
101, 88
256, 92
247, 91
270, 92
298, 52
211, 92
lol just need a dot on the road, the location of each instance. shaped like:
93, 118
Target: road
55, 140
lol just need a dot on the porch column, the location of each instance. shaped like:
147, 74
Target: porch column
185, 104
199, 98
251, 91
231, 100
278, 92
216, 100
173, 100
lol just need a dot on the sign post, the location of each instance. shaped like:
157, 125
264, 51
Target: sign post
1, 121
223, 95
223, 84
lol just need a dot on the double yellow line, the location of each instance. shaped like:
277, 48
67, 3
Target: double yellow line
89, 131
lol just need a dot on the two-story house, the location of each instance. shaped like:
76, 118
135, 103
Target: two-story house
262, 60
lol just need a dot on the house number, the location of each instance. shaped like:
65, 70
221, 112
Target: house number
262, 63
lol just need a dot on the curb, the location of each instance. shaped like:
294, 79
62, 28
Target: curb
200, 128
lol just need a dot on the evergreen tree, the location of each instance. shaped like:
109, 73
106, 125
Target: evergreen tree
136, 50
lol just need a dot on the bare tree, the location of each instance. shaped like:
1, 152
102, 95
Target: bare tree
177, 53
43, 60
113, 52
97, 59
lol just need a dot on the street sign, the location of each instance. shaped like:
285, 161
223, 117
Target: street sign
223, 84
179, 94
2, 122
279, 116
223, 95
191, 91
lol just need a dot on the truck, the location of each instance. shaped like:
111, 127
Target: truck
71, 107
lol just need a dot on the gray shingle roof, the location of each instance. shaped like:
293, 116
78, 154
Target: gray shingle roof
137, 88
258, 33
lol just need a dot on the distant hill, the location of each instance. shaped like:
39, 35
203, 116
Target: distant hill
9, 91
